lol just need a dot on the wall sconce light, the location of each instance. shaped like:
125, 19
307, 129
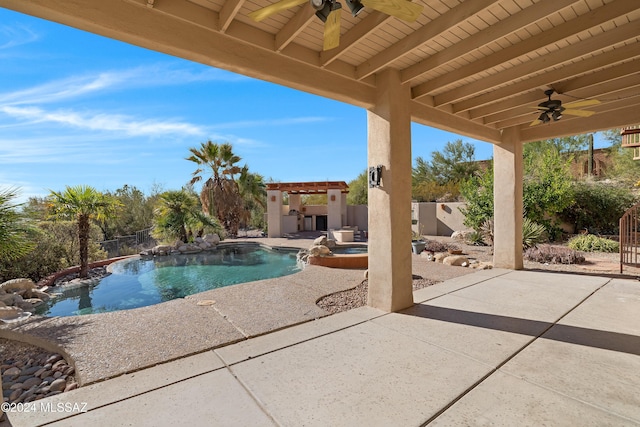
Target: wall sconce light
375, 176
333, 197
273, 198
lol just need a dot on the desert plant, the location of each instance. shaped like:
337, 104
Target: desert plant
593, 243
475, 238
553, 255
532, 233
486, 230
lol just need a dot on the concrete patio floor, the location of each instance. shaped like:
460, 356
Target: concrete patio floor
496, 347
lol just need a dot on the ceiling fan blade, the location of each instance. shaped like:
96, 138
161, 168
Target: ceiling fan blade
580, 113
580, 104
265, 12
332, 30
535, 122
402, 9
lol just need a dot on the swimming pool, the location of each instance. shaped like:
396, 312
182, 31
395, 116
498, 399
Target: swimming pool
140, 282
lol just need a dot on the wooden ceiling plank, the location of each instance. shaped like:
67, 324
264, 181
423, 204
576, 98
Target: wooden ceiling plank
582, 23
295, 26
534, 66
421, 36
478, 103
351, 38
610, 73
488, 35
228, 13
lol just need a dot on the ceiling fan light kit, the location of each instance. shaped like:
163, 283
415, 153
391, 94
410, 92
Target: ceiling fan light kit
329, 12
553, 109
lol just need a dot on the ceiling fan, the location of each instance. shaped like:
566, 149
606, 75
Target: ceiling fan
329, 12
553, 109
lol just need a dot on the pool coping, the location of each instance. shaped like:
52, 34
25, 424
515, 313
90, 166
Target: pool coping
105, 345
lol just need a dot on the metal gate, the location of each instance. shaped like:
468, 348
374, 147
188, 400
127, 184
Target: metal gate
629, 238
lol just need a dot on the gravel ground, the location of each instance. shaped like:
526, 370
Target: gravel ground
357, 297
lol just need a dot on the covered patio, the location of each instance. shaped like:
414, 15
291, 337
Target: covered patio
477, 68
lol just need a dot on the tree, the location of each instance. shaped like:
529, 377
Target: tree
14, 241
135, 212
83, 204
359, 190
439, 178
220, 195
547, 188
252, 190
179, 215
455, 163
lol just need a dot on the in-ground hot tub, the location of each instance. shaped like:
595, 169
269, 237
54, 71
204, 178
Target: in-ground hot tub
343, 257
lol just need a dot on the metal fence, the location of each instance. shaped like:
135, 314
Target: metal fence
629, 238
124, 245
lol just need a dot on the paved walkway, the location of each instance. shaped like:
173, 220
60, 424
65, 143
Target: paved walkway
496, 347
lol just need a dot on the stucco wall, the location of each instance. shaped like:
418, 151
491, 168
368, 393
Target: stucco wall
437, 219
358, 215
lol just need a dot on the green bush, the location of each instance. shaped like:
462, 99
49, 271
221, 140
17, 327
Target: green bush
598, 207
593, 243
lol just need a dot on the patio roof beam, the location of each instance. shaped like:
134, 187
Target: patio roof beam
294, 26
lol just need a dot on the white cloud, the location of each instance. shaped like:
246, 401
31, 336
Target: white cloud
103, 122
145, 76
16, 35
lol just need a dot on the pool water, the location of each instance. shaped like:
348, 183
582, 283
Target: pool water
350, 250
141, 282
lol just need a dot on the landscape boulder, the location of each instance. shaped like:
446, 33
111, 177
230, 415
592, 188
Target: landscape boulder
16, 285
457, 260
319, 250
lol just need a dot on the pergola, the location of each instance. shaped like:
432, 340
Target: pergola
473, 67
336, 192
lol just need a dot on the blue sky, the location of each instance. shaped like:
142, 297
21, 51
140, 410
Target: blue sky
77, 108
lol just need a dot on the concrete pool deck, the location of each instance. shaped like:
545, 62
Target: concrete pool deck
496, 347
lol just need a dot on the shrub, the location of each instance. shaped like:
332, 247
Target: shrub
553, 255
532, 233
593, 243
598, 207
436, 246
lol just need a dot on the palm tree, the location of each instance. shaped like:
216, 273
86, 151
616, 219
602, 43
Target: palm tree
14, 241
220, 195
179, 215
82, 203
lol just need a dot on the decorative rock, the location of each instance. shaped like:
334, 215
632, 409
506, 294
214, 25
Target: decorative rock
439, 257
71, 386
482, 266
366, 274
461, 235
320, 241
15, 394
52, 359
16, 386
330, 243
34, 301
58, 385
457, 260
33, 381
212, 239
17, 285
319, 250
35, 293
12, 371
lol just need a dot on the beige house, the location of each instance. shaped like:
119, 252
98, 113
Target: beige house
478, 68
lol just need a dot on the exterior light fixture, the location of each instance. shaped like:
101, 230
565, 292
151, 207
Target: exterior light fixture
544, 118
355, 6
375, 176
324, 8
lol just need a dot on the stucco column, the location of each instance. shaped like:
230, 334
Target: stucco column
389, 145
274, 213
294, 202
507, 201
334, 211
